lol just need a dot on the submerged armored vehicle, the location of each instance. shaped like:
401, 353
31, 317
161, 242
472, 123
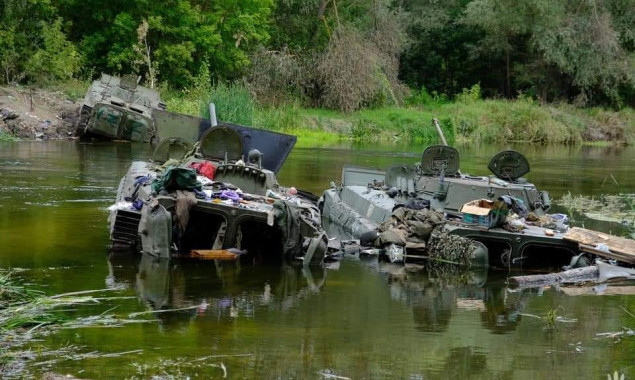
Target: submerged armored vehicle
118, 109
472, 205
217, 198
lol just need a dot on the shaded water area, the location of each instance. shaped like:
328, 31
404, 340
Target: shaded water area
361, 319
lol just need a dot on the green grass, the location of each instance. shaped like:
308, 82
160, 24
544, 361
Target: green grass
73, 89
6, 137
476, 121
466, 120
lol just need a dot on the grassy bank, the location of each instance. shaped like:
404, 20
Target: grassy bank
479, 121
468, 119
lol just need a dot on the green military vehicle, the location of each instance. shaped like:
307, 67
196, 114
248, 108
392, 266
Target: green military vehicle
211, 187
118, 109
367, 198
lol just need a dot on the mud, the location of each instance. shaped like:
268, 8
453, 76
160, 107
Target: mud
35, 114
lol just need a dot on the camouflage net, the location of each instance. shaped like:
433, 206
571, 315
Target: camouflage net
422, 230
455, 249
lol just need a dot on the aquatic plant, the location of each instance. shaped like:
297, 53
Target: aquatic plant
181, 367
618, 208
24, 311
552, 316
616, 376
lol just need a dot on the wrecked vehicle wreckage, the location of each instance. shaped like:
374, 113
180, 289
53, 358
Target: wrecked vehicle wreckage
118, 109
433, 211
216, 199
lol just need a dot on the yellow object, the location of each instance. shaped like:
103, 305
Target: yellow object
213, 254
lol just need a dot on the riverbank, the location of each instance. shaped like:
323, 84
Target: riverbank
483, 121
36, 114
50, 113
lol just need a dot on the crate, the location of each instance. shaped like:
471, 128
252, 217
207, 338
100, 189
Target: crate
484, 212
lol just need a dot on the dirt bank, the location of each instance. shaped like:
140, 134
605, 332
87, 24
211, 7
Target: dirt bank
36, 114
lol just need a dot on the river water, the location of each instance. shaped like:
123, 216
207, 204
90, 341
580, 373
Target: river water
359, 320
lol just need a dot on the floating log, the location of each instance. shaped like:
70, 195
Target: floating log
590, 273
599, 272
213, 254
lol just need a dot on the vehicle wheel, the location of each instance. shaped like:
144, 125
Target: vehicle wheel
81, 121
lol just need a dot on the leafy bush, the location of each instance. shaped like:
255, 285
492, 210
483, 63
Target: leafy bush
422, 97
419, 97
471, 95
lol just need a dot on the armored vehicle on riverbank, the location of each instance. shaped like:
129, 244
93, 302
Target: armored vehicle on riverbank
118, 109
216, 199
503, 211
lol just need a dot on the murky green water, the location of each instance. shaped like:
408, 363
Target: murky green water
361, 320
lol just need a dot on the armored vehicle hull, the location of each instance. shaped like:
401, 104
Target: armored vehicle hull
211, 201
118, 109
367, 198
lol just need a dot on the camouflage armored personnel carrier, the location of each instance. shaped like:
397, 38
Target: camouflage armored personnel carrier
472, 205
211, 192
118, 109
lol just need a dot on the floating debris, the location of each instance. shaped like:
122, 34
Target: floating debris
618, 208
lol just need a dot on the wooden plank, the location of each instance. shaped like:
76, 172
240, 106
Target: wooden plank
593, 238
213, 254
609, 255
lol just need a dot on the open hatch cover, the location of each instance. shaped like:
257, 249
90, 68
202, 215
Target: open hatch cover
509, 165
437, 158
274, 146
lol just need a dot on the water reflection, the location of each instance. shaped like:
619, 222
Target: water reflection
364, 324
436, 292
180, 291
90, 158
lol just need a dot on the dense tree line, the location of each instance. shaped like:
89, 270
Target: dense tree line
342, 54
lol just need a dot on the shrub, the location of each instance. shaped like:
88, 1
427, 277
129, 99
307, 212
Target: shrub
354, 72
275, 77
234, 103
471, 95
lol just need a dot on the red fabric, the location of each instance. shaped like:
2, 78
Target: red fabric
204, 168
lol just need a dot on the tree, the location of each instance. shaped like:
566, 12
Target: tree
589, 42
21, 33
506, 25
585, 45
145, 54
181, 35
57, 58
8, 54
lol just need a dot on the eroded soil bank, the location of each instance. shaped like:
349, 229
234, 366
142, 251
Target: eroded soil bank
36, 114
